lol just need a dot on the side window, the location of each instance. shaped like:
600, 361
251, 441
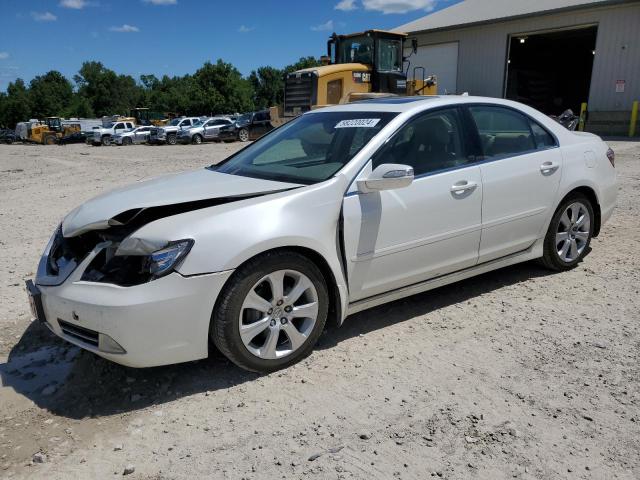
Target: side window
186, 123
129, 125
119, 126
429, 143
542, 138
503, 132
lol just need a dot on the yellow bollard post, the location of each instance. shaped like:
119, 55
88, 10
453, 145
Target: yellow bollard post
583, 116
634, 119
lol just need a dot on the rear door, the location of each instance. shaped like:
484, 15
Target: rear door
521, 171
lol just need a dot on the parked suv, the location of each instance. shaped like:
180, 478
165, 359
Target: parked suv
104, 135
169, 133
252, 126
203, 131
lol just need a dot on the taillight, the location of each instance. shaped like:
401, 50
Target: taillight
612, 157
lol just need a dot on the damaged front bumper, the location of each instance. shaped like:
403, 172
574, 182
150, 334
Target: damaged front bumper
160, 321
157, 323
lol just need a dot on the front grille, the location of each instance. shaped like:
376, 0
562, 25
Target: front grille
79, 333
299, 92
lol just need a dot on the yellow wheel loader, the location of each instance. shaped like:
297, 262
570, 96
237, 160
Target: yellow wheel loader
358, 66
50, 131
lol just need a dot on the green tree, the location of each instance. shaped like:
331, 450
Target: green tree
223, 88
17, 105
303, 62
268, 86
107, 92
50, 94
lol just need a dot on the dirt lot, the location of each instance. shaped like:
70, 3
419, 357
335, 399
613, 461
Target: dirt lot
517, 373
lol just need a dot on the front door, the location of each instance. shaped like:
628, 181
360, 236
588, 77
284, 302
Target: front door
521, 175
400, 237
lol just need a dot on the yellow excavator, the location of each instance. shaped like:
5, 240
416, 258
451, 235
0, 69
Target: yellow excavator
358, 66
50, 130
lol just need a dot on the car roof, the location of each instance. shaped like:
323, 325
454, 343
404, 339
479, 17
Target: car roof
398, 104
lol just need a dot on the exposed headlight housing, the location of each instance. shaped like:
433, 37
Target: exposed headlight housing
132, 268
164, 261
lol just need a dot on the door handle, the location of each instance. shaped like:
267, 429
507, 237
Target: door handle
547, 168
463, 186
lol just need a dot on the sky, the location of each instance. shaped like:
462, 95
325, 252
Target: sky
175, 37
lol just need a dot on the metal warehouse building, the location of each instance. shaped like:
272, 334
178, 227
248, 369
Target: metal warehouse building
550, 54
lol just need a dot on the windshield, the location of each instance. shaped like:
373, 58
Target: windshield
197, 123
356, 49
175, 122
309, 149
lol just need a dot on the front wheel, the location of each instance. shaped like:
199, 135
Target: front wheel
271, 312
197, 139
106, 140
569, 234
127, 141
172, 139
243, 135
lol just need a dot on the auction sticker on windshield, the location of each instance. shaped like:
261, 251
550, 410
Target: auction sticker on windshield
358, 123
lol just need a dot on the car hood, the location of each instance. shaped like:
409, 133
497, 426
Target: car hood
182, 192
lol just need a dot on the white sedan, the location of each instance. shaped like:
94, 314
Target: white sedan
340, 210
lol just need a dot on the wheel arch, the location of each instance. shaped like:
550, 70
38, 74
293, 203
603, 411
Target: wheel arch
593, 198
335, 297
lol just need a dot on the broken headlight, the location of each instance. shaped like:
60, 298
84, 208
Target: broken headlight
165, 260
135, 269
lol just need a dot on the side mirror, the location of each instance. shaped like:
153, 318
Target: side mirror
387, 176
414, 45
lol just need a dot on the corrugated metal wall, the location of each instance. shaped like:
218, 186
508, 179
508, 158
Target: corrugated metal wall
483, 52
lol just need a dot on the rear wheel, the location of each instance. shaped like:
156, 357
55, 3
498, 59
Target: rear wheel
569, 234
243, 135
271, 312
197, 139
106, 140
172, 139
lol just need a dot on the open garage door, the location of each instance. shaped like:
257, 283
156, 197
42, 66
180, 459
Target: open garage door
551, 71
440, 60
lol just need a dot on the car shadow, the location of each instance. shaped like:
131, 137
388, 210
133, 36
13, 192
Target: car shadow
76, 384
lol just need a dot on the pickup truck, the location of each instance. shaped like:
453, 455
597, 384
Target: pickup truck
104, 135
169, 133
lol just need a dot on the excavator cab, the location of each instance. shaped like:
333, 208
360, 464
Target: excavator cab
357, 66
380, 50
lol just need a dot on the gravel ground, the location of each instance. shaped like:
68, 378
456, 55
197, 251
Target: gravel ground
517, 373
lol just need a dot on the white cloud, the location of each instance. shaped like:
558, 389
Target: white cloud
398, 6
323, 26
44, 16
245, 29
346, 5
125, 28
161, 2
75, 4
4, 55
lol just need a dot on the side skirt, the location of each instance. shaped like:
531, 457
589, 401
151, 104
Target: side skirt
533, 252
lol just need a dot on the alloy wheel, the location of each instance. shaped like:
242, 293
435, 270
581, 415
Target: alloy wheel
574, 229
278, 314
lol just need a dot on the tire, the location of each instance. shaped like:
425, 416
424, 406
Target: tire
574, 220
197, 139
106, 140
243, 135
49, 140
268, 346
172, 139
126, 141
